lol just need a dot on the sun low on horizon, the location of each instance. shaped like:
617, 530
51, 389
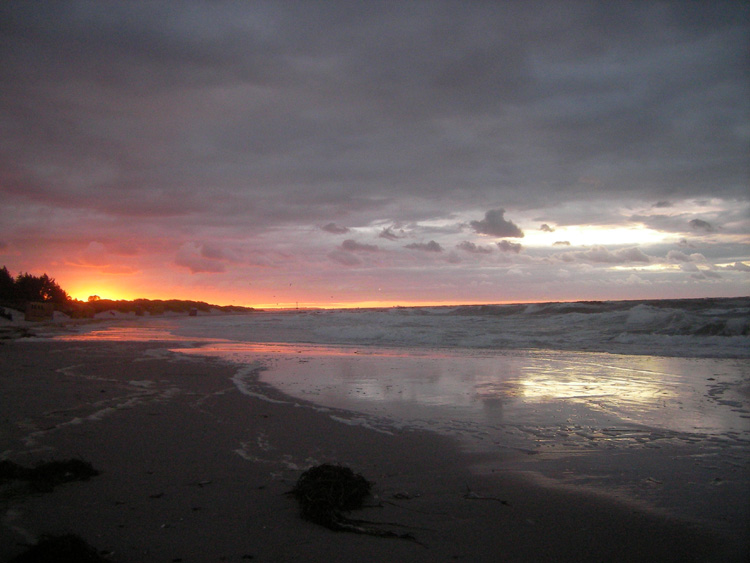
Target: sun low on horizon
236, 155
490, 260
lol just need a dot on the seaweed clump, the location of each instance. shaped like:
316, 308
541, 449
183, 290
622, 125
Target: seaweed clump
45, 476
68, 548
325, 491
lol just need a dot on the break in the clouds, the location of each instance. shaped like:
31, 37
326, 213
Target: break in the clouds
219, 150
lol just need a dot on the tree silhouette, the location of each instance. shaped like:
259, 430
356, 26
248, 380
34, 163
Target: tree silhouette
30, 288
7, 285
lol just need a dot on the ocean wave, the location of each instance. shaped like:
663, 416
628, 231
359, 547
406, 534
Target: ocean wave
670, 327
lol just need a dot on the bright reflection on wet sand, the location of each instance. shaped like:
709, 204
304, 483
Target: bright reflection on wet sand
534, 394
540, 388
132, 333
666, 431
673, 432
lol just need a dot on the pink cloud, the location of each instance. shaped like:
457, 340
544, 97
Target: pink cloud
194, 257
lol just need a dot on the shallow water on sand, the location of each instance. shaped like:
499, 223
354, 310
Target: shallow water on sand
670, 433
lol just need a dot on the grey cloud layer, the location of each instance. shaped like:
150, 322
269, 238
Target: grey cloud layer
238, 108
420, 124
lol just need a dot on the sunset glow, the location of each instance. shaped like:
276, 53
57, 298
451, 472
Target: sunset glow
589, 235
103, 292
236, 155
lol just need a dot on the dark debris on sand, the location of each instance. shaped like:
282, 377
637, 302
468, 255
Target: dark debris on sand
325, 491
46, 475
68, 548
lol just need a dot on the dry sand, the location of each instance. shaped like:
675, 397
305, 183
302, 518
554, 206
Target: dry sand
192, 470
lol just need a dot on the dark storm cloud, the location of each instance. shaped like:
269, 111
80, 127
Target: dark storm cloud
351, 245
701, 225
110, 101
335, 229
472, 248
431, 246
388, 234
496, 225
507, 246
546, 228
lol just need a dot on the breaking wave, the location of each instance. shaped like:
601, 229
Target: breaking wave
670, 327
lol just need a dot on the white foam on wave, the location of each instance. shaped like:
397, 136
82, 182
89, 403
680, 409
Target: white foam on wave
686, 328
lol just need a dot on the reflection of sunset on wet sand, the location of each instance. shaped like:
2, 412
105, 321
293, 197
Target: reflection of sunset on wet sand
123, 334
475, 250
608, 416
665, 434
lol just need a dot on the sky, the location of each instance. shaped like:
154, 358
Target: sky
343, 153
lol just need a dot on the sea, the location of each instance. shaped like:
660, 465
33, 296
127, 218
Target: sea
647, 402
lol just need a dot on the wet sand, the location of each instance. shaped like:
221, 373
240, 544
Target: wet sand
194, 470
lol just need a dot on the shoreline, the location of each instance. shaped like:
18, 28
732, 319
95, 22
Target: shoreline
193, 469
712, 334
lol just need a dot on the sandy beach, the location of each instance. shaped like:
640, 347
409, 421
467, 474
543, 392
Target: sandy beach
193, 470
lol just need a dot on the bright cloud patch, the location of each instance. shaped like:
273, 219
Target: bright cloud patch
602, 255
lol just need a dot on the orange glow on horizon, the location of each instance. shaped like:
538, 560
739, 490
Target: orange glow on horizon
113, 290
130, 288
114, 293
102, 293
378, 304
126, 288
